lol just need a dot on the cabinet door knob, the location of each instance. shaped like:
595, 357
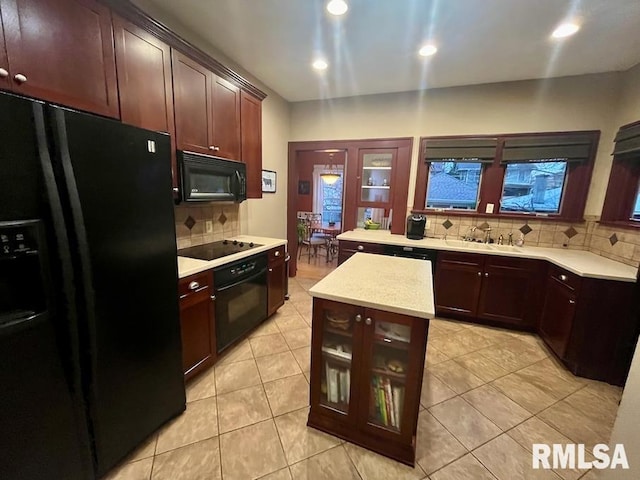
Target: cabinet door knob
277, 253
213, 298
479, 274
194, 286
572, 302
176, 190
486, 274
368, 320
20, 78
3, 73
212, 148
270, 270
563, 277
358, 318
360, 248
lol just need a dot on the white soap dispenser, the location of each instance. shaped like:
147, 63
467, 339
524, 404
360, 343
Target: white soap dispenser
520, 240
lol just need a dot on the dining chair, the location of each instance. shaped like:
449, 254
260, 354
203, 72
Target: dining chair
306, 239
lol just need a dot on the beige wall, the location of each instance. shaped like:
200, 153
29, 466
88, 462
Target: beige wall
266, 217
629, 106
587, 102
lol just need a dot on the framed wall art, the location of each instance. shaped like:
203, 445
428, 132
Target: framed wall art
268, 181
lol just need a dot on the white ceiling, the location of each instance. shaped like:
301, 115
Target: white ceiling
373, 48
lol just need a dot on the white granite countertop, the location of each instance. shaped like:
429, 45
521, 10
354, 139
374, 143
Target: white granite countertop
580, 262
191, 266
392, 284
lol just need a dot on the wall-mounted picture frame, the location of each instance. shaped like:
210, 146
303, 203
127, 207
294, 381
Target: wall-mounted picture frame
304, 187
268, 181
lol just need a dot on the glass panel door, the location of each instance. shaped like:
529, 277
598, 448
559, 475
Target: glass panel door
388, 372
337, 354
376, 177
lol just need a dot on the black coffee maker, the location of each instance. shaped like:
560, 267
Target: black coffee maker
415, 226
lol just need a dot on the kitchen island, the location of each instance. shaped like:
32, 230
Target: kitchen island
369, 338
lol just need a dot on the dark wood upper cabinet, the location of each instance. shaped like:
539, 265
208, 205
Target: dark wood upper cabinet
207, 110
192, 102
226, 119
62, 51
251, 133
145, 83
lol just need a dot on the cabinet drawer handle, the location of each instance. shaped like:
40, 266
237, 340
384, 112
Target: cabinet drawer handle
360, 248
20, 78
367, 321
358, 318
3, 73
564, 278
194, 285
214, 148
572, 302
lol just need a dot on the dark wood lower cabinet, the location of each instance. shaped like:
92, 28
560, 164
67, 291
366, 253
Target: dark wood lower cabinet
197, 323
510, 292
276, 279
590, 324
457, 284
347, 248
489, 289
366, 376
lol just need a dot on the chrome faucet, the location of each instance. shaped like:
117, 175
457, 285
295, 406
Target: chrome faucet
471, 236
487, 235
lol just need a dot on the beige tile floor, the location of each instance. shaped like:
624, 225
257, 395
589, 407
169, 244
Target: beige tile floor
487, 395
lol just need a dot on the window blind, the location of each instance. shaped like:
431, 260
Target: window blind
482, 150
628, 140
536, 148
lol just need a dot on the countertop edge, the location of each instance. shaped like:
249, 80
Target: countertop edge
357, 236
386, 308
198, 266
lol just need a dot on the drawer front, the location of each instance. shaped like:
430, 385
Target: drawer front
352, 247
570, 280
276, 255
196, 285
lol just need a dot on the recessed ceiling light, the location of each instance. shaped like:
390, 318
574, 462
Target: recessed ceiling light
565, 30
320, 65
428, 50
337, 7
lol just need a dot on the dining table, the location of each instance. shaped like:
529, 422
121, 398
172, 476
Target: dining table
331, 232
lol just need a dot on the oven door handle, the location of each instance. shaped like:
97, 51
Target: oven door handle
248, 279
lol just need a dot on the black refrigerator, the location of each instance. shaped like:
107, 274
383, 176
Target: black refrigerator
90, 349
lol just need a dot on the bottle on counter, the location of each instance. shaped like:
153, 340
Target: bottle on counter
520, 240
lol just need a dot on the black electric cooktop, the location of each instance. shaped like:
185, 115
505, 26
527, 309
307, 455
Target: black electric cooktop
221, 248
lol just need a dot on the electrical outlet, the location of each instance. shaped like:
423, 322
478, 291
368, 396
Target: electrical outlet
208, 226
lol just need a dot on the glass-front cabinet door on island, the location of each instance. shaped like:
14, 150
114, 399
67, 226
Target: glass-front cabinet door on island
366, 368
335, 354
389, 372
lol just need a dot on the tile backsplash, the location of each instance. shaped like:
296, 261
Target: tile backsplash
191, 223
622, 245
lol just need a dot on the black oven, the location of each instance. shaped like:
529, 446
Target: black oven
241, 298
209, 179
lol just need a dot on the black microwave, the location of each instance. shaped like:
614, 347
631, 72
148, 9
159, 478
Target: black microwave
211, 179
